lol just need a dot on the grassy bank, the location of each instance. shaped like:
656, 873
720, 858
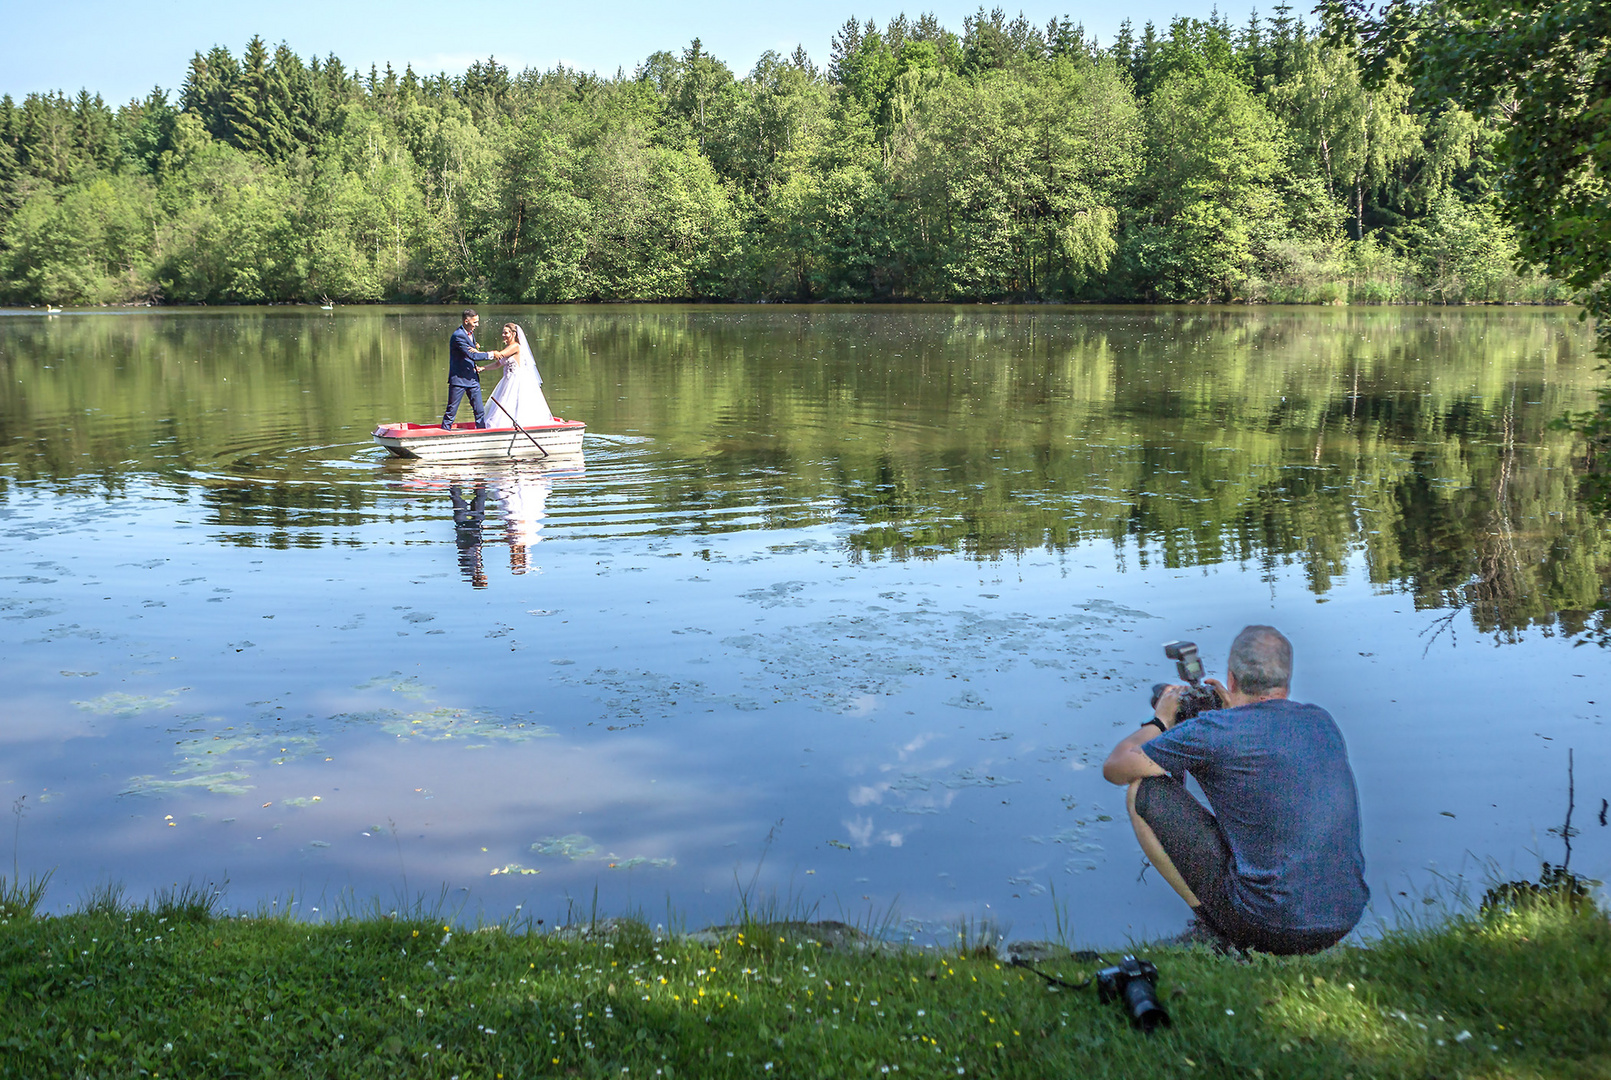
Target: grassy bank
169, 989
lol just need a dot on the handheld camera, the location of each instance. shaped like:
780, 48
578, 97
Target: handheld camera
1197, 698
1134, 983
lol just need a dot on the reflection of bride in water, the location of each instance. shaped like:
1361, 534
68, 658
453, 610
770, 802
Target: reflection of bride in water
519, 492
519, 394
522, 497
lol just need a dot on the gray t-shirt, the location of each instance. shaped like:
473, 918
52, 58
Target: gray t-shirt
1277, 777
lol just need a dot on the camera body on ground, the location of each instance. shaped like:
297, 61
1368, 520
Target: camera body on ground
1134, 983
1197, 697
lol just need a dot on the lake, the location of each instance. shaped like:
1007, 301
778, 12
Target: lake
839, 619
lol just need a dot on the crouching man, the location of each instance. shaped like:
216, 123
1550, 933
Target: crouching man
1274, 862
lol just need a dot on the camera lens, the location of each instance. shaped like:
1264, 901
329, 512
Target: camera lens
1142, 1000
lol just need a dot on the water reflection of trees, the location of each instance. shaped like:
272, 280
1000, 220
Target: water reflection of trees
1413, 441
284, 515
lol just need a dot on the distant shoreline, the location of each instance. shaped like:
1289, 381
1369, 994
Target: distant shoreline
868, 304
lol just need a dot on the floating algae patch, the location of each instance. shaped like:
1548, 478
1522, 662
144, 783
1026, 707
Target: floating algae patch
1028, 882
963, 778
18, 610
474, 727
1075, 838
302, 800
219, 783
838, 663
579, 848
513, 868
779, 594
632, 695
575, 846
72, 630
243, 744
117, 703
397, 683
217, 760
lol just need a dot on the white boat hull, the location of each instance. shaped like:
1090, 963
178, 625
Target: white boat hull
420, 442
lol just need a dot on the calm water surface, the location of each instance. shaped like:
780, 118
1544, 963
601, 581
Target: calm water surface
845, 609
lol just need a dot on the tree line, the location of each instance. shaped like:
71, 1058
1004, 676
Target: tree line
1009, 162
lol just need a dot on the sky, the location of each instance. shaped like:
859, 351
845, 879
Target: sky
121, 50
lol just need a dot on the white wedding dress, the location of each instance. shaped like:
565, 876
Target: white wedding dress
520, 391
522, 496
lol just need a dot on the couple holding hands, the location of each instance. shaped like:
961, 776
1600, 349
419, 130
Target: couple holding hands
518, 397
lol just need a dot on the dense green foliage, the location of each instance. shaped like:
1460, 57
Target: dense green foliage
170, 989
1007, 162
1547, 68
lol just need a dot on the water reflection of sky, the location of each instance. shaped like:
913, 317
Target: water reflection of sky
641, 714
528, 685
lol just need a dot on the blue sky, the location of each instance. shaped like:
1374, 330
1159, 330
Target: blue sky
121, 49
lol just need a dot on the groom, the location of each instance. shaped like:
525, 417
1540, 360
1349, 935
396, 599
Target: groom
463, 375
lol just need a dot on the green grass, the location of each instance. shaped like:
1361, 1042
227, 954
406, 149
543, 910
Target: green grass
172, 989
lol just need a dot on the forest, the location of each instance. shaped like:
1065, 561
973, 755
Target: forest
1198, 162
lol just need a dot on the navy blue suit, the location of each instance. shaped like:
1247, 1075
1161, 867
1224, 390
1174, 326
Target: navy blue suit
463, 378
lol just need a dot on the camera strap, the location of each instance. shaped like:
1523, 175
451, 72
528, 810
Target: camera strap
1052, 980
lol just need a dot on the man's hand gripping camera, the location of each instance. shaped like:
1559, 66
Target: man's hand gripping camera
1197, 697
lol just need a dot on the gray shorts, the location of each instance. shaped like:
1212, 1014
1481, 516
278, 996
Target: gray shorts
1192, 839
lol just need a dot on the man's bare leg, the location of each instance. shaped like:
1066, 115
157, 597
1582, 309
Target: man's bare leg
1154, 851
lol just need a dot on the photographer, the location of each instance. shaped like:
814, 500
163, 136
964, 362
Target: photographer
1276, 866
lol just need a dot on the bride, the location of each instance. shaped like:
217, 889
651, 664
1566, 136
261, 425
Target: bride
519, 394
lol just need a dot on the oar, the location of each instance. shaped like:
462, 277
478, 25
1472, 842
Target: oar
518, 428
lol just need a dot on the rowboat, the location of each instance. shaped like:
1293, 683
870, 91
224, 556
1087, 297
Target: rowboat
430, 442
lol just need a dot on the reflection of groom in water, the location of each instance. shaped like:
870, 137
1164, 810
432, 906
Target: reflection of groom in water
467, 519
463, 376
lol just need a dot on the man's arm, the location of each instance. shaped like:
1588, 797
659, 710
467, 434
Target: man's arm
467, 343
1129, 762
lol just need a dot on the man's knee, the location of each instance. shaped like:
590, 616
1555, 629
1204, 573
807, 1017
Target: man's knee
1151, 794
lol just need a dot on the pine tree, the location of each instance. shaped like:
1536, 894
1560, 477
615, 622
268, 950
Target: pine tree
1144, 64
250, 126
209, 87
93, 136
1285, 35
1123, 49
